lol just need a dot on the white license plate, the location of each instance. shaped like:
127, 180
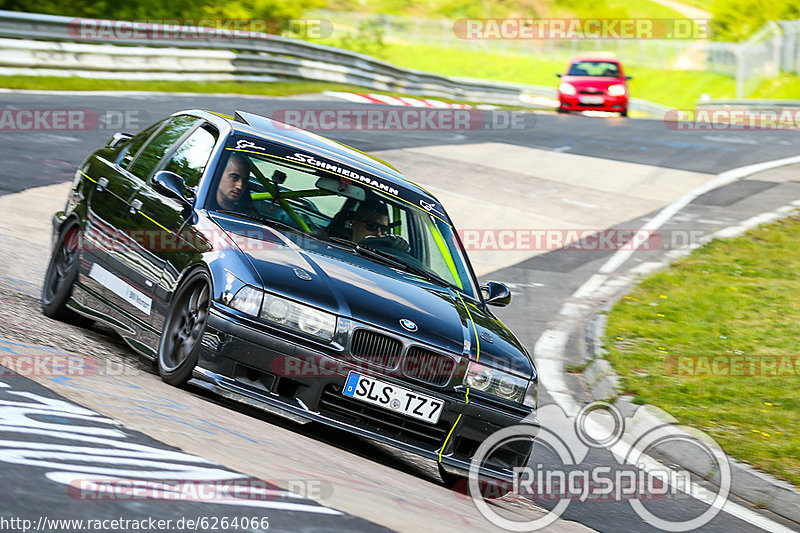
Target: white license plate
591, 99
393, 397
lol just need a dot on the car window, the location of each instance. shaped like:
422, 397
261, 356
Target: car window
190, 159
329, 201
156, 147
129, 152
606, 69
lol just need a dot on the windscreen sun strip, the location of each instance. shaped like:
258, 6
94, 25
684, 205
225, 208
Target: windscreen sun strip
272, 156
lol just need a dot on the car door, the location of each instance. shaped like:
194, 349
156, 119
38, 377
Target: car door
124, 283
107, 217
164, 252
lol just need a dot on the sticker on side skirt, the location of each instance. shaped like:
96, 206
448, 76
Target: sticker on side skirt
135, 297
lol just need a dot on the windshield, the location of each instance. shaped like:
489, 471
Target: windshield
341, 205
605, 69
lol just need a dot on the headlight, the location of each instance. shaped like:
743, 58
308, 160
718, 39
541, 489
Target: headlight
285, 312
616, 90
497, 383
566, 88
248, 300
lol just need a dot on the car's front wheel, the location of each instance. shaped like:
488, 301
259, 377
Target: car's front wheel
183, 329
62, 273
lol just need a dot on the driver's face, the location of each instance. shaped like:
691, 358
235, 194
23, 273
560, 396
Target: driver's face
232, 185
369, 224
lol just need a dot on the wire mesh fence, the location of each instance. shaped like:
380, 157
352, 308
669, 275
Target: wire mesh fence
775, 48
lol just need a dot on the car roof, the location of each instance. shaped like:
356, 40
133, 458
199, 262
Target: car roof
278, 132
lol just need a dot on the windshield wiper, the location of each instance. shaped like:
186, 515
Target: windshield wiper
266, 221
391, 259
369, 252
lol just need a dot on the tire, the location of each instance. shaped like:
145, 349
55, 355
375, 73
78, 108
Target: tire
562, 111
623, 113
183, 329
62, 273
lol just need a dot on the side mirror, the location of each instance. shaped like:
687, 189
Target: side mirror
498, 294
119, 138
629, 78
170, 185
558, 75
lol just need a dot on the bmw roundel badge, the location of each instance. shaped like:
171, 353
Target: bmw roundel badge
408, 324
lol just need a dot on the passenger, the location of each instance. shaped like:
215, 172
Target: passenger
371, 219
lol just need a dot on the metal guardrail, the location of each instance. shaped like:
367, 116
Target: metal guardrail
749, 103
34, 44
250, 58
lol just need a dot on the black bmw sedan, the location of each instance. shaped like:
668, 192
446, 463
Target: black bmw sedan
288, 271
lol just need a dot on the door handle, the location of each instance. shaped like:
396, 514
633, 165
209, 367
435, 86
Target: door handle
102, 183
136, 205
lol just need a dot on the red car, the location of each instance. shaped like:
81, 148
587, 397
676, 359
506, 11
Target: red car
593, 83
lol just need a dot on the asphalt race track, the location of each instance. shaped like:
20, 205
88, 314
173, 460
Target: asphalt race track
558, 171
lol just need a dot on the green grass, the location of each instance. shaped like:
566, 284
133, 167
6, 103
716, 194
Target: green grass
785, 87
702, 4
46, 83
52, 83
508, 8
615, 9
731, 297
679, 89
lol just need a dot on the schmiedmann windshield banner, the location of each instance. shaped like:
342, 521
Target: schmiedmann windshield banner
358, 174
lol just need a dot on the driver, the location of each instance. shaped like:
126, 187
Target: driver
233, 191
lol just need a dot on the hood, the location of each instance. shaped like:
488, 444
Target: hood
340, 281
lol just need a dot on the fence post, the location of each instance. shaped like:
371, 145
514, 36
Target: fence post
739, 73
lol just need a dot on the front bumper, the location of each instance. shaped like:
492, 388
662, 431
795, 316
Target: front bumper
609, 103
241, 361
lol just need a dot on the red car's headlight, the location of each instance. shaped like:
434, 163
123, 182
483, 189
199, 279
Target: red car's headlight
616, 90
566, 88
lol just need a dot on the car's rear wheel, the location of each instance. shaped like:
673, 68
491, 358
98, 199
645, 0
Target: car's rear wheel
562, 110
623, 113
183, 329
62, 273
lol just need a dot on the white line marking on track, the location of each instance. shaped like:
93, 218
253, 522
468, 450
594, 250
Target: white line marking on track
550, 346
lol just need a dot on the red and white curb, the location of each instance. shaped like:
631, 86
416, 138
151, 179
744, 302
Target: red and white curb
361, 98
